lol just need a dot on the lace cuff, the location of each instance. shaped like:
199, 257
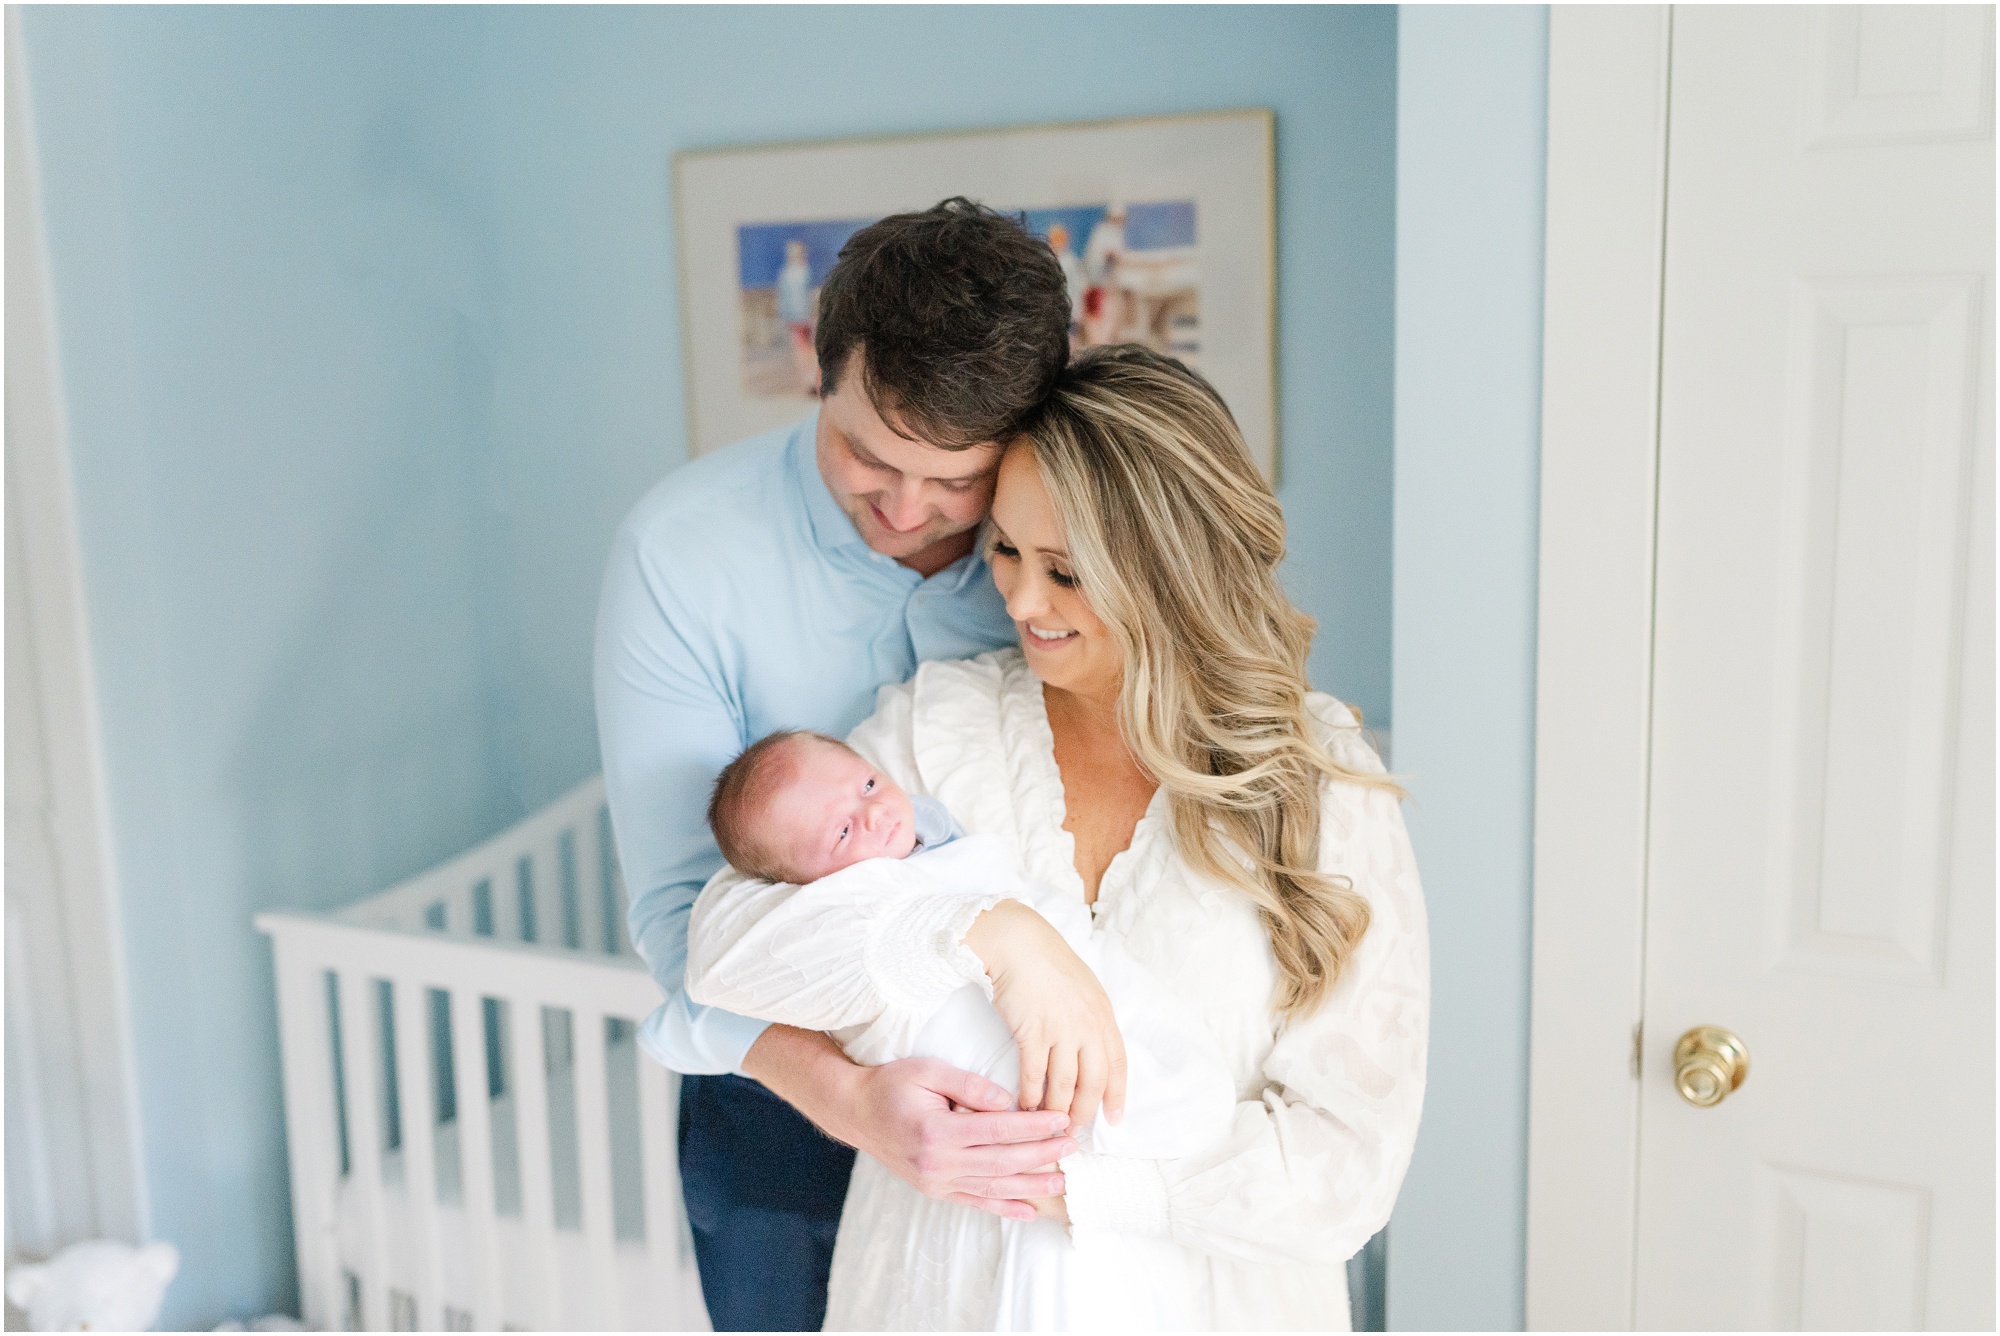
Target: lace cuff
917, 957
1110, 1195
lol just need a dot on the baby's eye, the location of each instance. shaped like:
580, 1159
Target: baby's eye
869, 787
843, 832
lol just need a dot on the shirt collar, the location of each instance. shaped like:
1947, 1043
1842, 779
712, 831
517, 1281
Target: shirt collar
935, 823
831, 528
833, 531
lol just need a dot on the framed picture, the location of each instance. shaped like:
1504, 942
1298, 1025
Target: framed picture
1164, 226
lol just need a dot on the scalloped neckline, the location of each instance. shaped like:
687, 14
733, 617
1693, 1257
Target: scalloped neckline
1043, 788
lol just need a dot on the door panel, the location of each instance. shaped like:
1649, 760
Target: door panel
1820, 869
1872, 540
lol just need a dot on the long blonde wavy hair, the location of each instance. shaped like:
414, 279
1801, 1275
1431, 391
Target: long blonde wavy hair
1175, 540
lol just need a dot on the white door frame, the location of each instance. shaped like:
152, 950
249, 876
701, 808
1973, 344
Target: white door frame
1608, 89
87, 961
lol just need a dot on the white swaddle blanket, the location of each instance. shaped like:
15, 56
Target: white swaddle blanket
1179, 1096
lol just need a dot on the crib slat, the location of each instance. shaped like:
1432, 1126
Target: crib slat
545, 878
311, 1133
464, 907
659, 1138
419, 1103
589, 883
458, 907
361, 1054
529, 1064
593, 1122
620, 905
506, 901
475, 1154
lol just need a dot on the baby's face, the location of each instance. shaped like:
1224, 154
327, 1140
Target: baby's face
834, 810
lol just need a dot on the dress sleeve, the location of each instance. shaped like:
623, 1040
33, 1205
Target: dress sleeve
1309, 1170
832, 954
839, 952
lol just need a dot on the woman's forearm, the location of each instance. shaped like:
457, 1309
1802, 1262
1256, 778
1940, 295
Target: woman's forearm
1001, 934
1072, 1055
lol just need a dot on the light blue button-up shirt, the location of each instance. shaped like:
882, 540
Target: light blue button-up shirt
738, 600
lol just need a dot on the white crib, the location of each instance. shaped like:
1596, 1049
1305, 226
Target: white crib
476, 1143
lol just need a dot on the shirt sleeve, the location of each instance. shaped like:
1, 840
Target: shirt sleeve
667, 723
1308, 1171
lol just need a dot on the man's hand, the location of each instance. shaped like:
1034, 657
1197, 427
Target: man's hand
947, 1133
1072, 1055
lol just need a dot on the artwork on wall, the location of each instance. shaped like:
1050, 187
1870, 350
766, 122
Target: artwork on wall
1164, 227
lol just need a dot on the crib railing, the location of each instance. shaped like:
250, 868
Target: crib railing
552, 879
434, 1036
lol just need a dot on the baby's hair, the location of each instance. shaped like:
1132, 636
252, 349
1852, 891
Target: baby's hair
742, 790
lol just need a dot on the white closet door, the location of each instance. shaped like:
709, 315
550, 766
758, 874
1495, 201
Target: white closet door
73, 1165
1820, 871
49, 1195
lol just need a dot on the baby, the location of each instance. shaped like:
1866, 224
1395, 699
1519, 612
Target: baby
804, 808
797, 806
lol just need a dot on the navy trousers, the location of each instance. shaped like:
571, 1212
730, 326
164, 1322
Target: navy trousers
764, 1189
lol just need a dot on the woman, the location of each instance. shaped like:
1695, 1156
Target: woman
1153, 746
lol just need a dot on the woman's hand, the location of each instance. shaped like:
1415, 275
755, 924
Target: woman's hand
1072, 1056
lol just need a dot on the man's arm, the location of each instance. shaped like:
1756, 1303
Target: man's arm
947, 1133
666, 728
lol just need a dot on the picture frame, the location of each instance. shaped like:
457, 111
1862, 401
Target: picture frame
1166, 226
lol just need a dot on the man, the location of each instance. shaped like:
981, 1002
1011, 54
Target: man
777, 584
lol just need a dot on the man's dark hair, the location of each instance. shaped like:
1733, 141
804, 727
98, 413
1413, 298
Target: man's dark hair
962, 318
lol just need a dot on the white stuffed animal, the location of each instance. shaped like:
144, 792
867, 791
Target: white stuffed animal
95, 1286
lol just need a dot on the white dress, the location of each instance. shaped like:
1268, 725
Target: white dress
1180, 1094
1328, 1105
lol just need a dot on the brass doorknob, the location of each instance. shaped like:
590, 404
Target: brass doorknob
1709, 1062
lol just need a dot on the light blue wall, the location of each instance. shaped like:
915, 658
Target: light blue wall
589, 109
1471, 132
270, 294
368, 323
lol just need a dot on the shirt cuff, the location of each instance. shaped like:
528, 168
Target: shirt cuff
1106, 1194
917, 957
698, 1041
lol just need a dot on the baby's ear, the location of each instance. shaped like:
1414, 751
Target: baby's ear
24, 1283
